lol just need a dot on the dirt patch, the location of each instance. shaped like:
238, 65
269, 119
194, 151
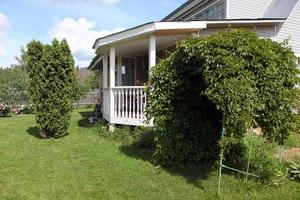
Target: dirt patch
290, 155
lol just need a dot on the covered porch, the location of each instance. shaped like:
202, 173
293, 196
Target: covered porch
127, 58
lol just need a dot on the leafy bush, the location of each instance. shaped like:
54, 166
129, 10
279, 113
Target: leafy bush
263, 161
4, 110
232, 74
294, 171
51, 74
27, 109
144, 137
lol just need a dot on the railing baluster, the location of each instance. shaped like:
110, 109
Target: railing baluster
145, 101
130, 103
138, 104
126, 103
141, 91
119, 102
123, 107
116, 101
134, 102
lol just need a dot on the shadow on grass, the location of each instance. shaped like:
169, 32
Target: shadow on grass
84, 122
35, 131
193, 174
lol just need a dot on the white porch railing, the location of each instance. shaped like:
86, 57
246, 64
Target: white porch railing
129, 105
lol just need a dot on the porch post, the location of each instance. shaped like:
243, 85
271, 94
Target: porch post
119, 71
112, 67
104, 85
152, 51
105, 65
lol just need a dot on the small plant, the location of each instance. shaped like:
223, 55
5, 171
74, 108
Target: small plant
294, 171
122, 134
263, 162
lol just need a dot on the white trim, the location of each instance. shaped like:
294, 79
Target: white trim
152, 51
226, 9
126, 87
148, 29
129, 121
244, 22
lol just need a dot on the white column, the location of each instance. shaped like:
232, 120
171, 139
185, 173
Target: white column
105, 66
152, 51
112, 81
119, 71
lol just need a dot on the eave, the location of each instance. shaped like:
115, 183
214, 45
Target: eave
148, 29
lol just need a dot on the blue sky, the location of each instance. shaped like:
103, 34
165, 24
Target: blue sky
79, 21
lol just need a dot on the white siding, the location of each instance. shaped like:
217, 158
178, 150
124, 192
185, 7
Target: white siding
291, 29
267, 31
246, 9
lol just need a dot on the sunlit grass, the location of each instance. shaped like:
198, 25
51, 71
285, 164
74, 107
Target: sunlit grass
85, 165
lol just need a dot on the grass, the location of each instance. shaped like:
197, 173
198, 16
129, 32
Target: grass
85, 165
293, 140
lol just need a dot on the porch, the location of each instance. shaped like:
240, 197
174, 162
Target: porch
127, 58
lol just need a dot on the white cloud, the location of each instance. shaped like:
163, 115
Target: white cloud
4, 24
80, 36
97, 1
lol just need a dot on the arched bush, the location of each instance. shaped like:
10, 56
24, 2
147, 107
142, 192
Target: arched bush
234, 75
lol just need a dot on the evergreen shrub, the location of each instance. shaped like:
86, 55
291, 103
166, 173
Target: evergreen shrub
51, 74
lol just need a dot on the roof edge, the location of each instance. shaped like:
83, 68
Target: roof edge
94, 45
149, 28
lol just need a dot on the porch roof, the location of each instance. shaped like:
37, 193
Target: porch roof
162, 28
136, 40
178, 27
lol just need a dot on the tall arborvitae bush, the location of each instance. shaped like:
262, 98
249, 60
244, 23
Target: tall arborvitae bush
231, 76
51, 74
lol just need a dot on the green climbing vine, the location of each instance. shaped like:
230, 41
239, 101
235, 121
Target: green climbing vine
235, 73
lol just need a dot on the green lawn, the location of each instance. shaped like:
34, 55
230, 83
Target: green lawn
85, 166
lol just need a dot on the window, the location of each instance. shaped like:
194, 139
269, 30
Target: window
215, 11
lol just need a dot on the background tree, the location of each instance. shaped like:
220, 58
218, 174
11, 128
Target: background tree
13, 85
51, 74
91, 83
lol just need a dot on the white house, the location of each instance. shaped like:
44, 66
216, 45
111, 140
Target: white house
127, 56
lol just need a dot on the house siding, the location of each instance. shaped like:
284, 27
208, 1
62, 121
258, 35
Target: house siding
291, 30
246, 9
